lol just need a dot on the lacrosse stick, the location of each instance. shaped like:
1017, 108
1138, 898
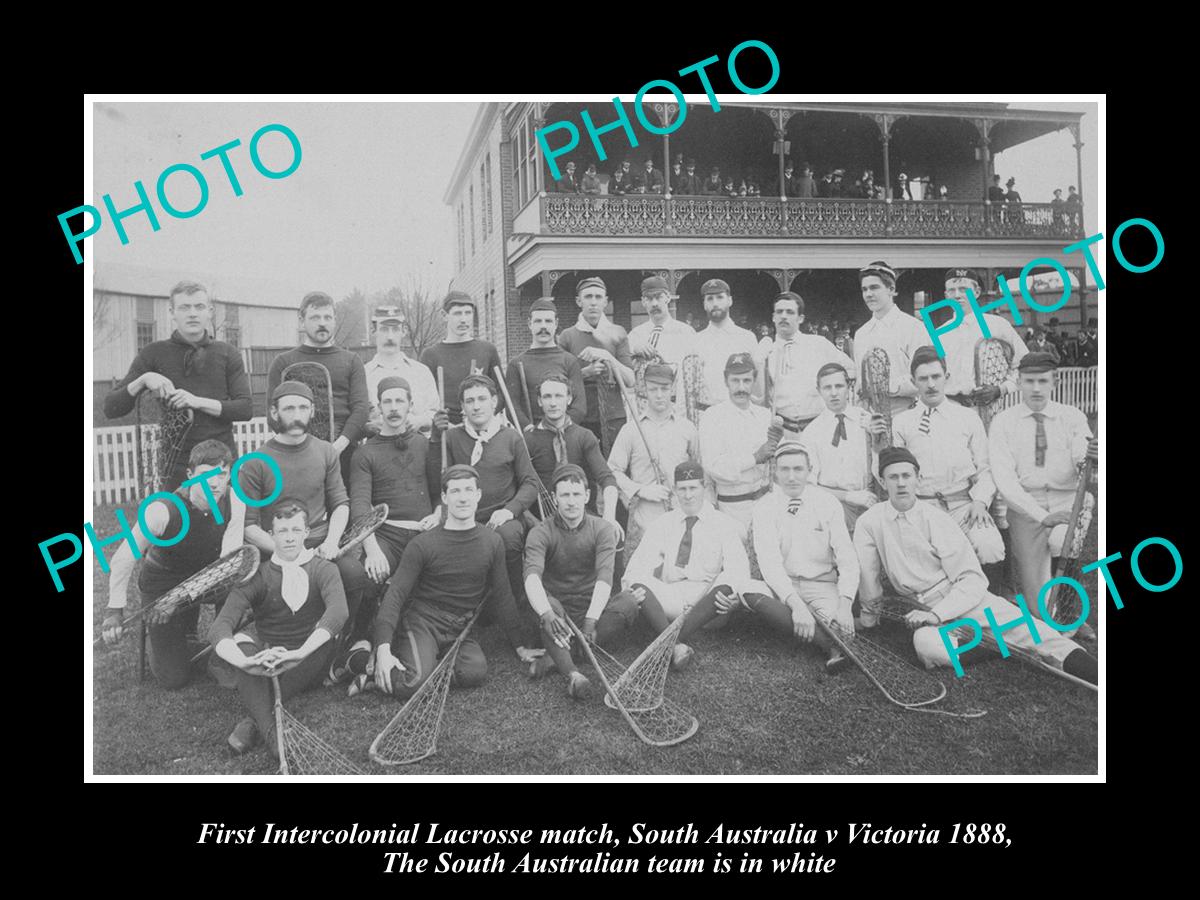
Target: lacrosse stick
412, 733
316, 377
441, 389
528, 396
637, 423
546, 501
640, 687
166, 431
1065, 604
993, 358
301, 751
362, 528
876, 387
662, 725
693, 384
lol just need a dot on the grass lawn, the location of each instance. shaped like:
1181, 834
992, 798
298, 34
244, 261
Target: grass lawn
765, 706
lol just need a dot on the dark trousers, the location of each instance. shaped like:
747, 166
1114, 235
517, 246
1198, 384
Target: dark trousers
172, 644
354, 583
424, 638
256, 691
619, 613
517, 615
774, 612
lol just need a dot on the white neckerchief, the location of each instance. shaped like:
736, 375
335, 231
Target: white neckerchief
601, 326
295, 579
483, 437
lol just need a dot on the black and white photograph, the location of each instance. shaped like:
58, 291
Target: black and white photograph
706, 435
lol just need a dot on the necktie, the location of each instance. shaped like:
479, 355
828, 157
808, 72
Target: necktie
787, 357
684, 556
923, 427
560, 446
1039, 440
794, 506
839, 433
654, 336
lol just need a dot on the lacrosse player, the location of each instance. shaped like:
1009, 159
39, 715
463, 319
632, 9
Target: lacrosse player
663, 338
189, 371
544, 358
215, 518
951, 447
569, 572
347, 376
959, 344
1036, 448
298, 606
699, 551
927, 558
719, 340
459, 356
895, 331
387, 325
737, 439
443, 577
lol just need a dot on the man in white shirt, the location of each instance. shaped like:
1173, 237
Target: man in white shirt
949, 443
790, 364
839, 444
896, 332
930, 563
1036, 449
737, 439
719, 340
661, 339
389, 359
699, 551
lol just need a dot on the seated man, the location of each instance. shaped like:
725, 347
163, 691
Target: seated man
689, 554
929, 561
444, 576
299, 607
568, 572
213, 528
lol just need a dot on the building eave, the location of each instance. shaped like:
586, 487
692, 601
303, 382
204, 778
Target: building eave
484, 116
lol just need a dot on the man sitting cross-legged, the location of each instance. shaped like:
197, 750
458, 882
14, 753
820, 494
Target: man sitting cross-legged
568, 572
299, 606
687, 554
444, 575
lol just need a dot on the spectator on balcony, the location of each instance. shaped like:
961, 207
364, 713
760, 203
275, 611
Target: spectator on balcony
943, 193
995, 193
903, 191
1041, 344
619, 183
752, 189
788, 187
1074, 209
567, 184
825, 186
690, 183
728, 187
649, 180
1013, 199
1057, 214
676, 174
865, 186
806, 188
836, 189
713, 186
591, 181
1088, 349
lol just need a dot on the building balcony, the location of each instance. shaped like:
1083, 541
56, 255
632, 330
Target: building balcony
770, 217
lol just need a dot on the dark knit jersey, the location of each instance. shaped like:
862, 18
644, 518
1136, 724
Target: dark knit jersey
211, 369
570, 562
583, 449
506, 476
539, 362
312, 475
348, 377
407, 480
458, 361
165, 567
575, 341
277, 625
446, 575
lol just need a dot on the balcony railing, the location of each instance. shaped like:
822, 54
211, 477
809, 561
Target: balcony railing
654, 216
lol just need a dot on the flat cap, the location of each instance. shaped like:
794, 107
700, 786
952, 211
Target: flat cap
292, 389
567, 470
392, 381
544, 303
457, 298
654, 283
714, 286
1037, 361
788, 447
880, 269
689, 470
739, 364
660, 373
889, 456
387, 314
591, 281
963, 273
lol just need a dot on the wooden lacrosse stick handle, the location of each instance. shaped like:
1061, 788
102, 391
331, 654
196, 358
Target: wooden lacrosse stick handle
441, 389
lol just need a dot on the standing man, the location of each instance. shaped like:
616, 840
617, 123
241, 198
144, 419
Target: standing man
213, 529
929, 561
444, 575
1041, 344
898, 333
959, 344
1073, 207
569, 572
591, 181
806, 189
1036, 449
662, 338
720, 339
661, 439
567, 183
347, 375
189, 371
737, 439
602, 348
543, 358
713, 187
690, 184
649, 180
950, 446
790, 364
839, 444
687, 555
1089, 347
459, 356
391, 361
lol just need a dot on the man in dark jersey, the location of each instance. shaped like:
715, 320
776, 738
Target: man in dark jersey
299, 608
544, 357
189, 371
311, 475
444, 575
351, 403
214, 528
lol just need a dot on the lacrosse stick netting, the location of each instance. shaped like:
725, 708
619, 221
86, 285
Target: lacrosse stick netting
316, 377
301, 751
993, 358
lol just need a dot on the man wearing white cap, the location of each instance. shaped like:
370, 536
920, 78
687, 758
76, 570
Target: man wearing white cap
390, 360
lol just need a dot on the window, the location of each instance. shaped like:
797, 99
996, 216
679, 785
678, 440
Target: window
483, 213
145, 322
145, 335
488, 181
471, 207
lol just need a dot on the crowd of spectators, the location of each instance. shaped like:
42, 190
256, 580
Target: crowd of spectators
1079, 349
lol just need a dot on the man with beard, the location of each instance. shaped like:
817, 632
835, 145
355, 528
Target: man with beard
891, 329
663, 338
718, 341
308, 468
391, 361
351, 402
189, 371
602, 348
544, 358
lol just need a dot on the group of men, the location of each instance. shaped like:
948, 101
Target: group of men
510, 491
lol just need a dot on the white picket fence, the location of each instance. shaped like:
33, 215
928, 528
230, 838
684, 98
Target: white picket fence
115, 478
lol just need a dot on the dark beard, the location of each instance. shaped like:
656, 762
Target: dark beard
718, 315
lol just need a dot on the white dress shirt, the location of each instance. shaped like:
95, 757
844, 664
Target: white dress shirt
717, 550
899, 334
812, 544
1012, 449
845, 467
792, 367
715, 344
672, 440
675, 340
420, 380
953, 455
728, 438
960, 344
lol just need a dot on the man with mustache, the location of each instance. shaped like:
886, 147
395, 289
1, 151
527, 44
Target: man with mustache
351, 402
189, 371
662, 338
459, 356
390, 360
543, 359
719, 340
891, 329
